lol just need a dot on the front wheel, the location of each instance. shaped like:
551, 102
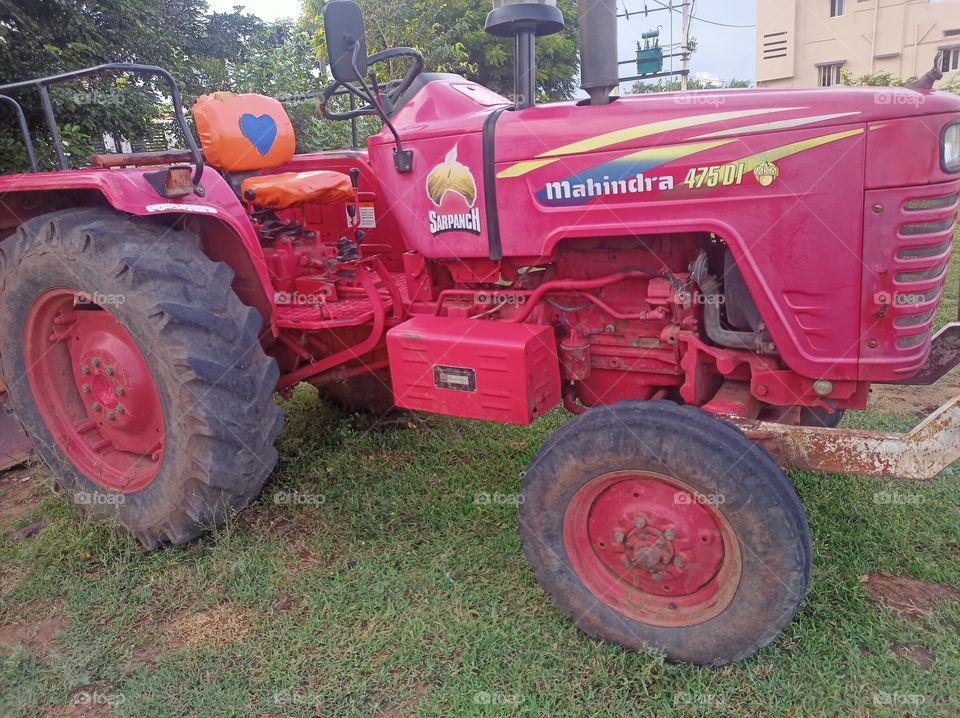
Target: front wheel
136, 372
653, 525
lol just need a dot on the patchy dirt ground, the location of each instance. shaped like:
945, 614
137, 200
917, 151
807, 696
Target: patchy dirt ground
37, 636
917, 401
907, 596
21, 489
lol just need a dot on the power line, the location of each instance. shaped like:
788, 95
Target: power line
709, 22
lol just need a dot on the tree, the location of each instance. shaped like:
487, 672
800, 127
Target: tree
451, 37
663, 85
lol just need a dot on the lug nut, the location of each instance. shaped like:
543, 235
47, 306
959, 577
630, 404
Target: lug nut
85, 388
639, 522
679, 562
109, 416
657, 577
121, 391
84, 370
670, 534
95, 362
108, 371
618, 536
96, 406
121, 409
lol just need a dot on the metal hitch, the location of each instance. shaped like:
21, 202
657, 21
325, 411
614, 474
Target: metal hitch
920, 454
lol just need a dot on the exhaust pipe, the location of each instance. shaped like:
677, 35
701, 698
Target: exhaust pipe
599, 70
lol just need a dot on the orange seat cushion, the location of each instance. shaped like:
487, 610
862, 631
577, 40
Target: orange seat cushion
294, 189
240, 133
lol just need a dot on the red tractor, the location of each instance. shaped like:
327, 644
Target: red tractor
708, 281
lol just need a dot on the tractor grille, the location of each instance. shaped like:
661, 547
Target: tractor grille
923, 246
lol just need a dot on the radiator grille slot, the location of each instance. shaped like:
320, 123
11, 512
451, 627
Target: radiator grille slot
922, 205
912, 230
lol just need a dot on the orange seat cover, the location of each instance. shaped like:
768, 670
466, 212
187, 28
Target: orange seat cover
239, 133
293, 189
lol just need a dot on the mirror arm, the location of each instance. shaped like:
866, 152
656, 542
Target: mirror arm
402, 159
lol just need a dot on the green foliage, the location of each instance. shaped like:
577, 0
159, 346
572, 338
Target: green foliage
451, 37
664, 85
877, 79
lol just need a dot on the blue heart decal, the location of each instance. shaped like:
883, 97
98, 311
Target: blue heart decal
261, 131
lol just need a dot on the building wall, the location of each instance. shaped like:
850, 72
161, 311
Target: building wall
795, 38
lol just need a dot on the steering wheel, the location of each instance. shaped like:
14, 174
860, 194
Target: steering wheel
389, 94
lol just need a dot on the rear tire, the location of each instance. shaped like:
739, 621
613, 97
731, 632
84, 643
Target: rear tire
212, 389
654, 525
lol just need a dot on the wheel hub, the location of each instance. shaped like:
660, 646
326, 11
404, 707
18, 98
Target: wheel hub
94, 390
652, 547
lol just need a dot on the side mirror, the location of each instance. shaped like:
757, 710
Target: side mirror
346, 40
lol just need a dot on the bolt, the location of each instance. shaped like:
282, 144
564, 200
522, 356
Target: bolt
822, 387
618, 536
109, 416
639, 522
877, 208
85, 388
672, 606
155, 456
95, 362
657, 576
679, 562
121, 391
872, 343
670, 534
609, 329
762, 390
108, 371
96, 406
84, 370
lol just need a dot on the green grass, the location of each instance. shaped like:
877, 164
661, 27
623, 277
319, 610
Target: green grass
388, 590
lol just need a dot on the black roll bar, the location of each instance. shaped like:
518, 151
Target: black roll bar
41, 84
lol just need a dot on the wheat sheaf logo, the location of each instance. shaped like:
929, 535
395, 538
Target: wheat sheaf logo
451, 176
766, 173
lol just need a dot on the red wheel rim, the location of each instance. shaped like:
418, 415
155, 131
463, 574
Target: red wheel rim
93, 390
652, 548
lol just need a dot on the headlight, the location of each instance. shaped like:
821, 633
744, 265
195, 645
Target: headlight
951, 148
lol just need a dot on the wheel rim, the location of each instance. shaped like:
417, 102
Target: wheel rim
653, 548
93, 390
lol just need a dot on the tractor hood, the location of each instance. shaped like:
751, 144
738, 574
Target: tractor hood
449, 105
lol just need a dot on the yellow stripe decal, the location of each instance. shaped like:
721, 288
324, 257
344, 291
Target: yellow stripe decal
778, 125
778, 153
632, 133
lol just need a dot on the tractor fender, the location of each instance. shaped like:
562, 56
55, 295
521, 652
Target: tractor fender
218, 216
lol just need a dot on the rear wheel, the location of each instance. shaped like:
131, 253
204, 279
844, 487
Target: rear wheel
136, 372
656, 525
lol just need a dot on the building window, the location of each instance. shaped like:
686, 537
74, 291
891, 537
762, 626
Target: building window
836, 8
830, 74
949, 59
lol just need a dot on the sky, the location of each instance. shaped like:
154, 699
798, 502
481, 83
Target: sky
723, 52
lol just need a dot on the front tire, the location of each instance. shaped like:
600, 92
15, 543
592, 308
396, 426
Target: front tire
136, 371
654, 525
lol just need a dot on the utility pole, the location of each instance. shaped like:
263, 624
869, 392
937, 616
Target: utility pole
685, 48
